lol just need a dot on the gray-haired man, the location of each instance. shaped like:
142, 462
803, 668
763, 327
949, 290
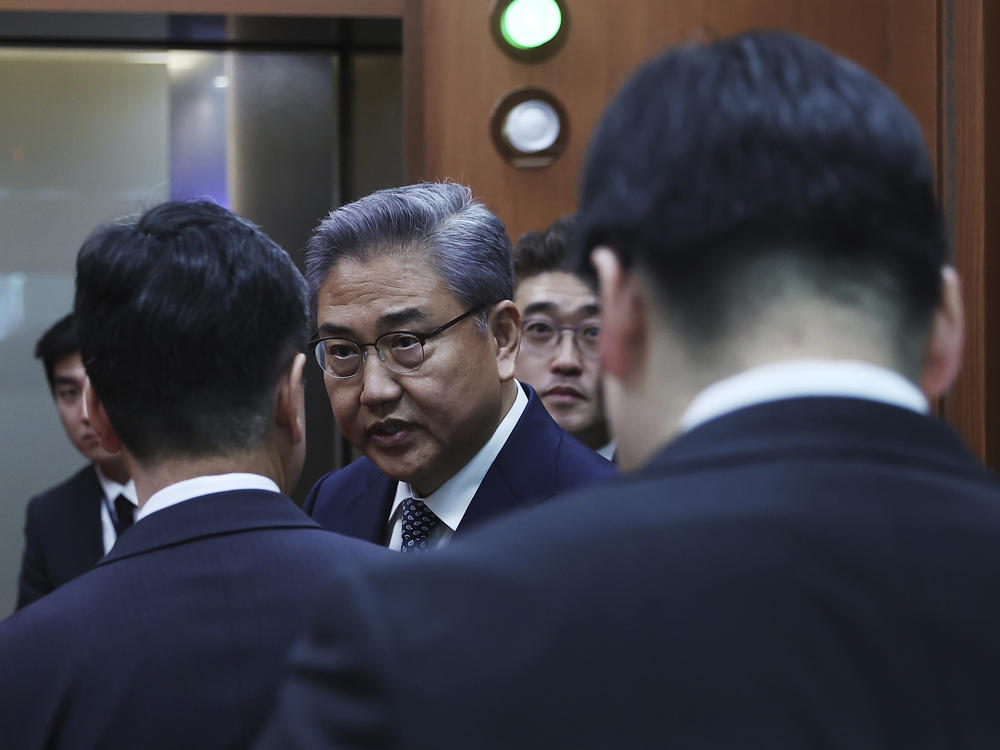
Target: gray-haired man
417, 338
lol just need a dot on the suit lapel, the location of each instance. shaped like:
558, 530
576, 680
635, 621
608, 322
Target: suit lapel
524, 470
366, 514
85, 534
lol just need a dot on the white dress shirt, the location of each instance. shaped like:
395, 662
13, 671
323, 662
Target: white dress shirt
112, 490
450, 501
187, 489
799, 378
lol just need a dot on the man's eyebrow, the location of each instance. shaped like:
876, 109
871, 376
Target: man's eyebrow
539, 307
65, 380
399, 318
387, 322
550, 308
329, 329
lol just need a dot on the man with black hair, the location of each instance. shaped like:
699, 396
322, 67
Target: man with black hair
560, 334
802, 555
191, 324
69, 527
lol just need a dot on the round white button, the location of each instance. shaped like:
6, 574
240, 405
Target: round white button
532, 126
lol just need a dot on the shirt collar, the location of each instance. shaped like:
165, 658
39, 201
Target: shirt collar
450, 501
113, 489
608, 451
187, 489
800, 378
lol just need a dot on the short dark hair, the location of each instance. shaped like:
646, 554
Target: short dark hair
187, 317
57, 342
551, 250
766, 146
466, 243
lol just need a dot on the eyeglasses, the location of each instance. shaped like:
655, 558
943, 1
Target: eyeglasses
400, 351
543, 336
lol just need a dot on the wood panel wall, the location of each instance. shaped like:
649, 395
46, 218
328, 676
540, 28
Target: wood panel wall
989, 216
936, 54
463, 73
969, 171
940, 56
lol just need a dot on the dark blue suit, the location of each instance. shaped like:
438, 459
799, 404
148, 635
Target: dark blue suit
538, 460
62, 535
807, 573
176, 638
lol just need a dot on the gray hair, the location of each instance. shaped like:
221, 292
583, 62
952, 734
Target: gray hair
466, 243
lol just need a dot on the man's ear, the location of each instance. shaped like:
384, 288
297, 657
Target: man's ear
98, 419
947, 338
623, 315
505, 331
290, 411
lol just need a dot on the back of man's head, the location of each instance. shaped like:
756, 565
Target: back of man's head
760, 168
187, 318
57, 342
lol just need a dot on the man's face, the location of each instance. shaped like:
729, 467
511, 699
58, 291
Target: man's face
68, 378
568, 381
419, 427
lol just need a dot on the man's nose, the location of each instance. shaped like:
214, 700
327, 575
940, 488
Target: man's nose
567, 359
378, 382
82, 406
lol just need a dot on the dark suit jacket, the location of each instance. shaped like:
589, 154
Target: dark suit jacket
176, 638
538, 460
807, 573
62, 535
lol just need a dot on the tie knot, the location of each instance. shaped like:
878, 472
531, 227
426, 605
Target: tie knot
418, 521
124, 514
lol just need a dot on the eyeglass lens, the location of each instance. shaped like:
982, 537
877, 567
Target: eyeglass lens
401, 352
545, 334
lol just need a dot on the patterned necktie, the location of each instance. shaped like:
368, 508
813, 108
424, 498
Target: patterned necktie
418, 522
124, 514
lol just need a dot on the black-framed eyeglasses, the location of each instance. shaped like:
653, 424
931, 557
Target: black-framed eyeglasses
400, 351
543, 335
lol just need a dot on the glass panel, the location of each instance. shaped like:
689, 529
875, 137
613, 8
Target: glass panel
83, 139
92, 134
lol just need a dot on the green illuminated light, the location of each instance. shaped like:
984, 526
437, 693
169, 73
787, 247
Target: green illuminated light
526, 24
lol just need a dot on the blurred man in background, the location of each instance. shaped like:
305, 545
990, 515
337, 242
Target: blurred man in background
70, 526
560, 334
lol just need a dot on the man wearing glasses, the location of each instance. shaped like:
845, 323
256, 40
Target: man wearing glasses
560, 332
417, 338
